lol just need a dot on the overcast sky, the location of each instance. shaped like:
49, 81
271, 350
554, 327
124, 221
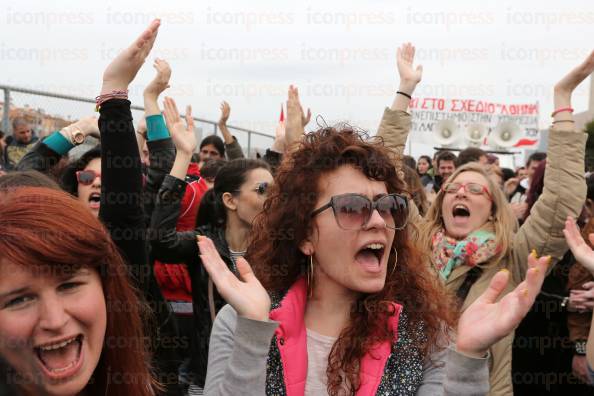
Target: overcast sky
341, 54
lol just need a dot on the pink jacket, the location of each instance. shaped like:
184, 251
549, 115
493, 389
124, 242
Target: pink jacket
292, 343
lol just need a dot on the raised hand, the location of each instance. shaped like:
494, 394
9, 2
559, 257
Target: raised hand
296, 118
487, 320
563, 90
161, 81
409, 76
570, 81
305, 118
279, 143
581, 251
245, 294
225, 113
122, 70
183, 137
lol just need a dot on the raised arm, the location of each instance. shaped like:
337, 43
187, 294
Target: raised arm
156, 87
160, 146
121, 179
396, 123
232, 147
564, 191
168, 244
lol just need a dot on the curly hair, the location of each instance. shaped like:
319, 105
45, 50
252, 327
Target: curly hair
284, 224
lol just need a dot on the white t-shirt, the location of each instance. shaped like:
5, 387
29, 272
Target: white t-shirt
318, 349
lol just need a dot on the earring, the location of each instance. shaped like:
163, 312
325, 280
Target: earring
310, 276
395, 260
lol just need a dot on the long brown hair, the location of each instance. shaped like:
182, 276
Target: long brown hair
284, 224
52, 230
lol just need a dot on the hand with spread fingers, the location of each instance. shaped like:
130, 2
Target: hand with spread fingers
487, 320
245, 294
124, 67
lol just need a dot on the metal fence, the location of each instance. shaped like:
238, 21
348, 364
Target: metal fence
48, 111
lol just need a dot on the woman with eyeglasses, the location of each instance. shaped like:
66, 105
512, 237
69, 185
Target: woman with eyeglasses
471, 230
226, 214
346, 304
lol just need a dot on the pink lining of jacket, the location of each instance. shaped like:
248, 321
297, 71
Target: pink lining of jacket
291, 339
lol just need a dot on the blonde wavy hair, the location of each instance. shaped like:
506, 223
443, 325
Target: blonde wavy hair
502, 221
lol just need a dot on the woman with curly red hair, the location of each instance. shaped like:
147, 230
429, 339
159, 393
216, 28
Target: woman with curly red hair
340, 301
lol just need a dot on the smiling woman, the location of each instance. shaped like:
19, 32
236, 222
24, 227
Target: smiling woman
69, 320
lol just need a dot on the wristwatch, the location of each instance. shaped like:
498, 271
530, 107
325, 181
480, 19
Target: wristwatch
580, 347
76, 135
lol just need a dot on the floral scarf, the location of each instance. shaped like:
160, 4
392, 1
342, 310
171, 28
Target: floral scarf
448, 253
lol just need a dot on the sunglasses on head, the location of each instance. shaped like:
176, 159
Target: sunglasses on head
87, 177
353, 211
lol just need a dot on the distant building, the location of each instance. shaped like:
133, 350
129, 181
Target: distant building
43, 124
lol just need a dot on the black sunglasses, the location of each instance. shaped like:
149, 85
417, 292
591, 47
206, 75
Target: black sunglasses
353, 211
261, 189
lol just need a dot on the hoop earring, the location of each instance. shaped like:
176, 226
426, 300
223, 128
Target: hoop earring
310, 276
395, 261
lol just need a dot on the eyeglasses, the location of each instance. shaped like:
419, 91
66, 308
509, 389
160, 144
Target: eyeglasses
353, 211
472, 188
87, 177
261, 189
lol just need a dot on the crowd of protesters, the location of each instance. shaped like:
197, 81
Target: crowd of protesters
154, 264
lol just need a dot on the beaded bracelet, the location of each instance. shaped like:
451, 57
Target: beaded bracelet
115, 94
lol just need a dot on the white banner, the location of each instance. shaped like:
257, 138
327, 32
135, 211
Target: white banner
469, 117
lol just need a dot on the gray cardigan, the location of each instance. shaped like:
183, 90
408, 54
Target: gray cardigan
239, 350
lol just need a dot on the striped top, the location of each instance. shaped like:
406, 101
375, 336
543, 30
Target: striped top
236, 255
